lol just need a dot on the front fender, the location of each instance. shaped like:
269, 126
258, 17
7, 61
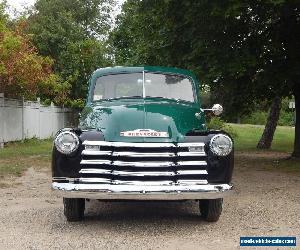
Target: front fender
220, 168
69, 165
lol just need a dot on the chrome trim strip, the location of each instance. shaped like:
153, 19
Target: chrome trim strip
86, 162
191, 144
95, 171
144, 89
192, 182
143, 173
192, 163
144, 183
200, 153
136, 154
63, 179
95, 152
142, 192
191, 172
130, 144
144, 164
96, 180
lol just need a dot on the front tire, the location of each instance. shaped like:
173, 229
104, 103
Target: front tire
74, 208
211, 209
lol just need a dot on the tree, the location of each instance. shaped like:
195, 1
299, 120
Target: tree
78, 61
245, 51
273, 117
22, 70
72, 33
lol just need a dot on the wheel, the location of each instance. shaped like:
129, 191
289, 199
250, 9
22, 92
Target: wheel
211, 209
74, 209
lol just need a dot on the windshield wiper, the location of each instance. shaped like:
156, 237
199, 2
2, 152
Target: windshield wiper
161, 97
124, 97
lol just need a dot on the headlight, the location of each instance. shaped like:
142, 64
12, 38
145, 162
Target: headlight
66, 142
221, 145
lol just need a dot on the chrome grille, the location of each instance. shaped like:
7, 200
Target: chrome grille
133, 163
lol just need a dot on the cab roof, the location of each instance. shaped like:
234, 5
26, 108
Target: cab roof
120, 69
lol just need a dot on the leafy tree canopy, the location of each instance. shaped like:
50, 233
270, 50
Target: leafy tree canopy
72, 33
244, 50
23, 73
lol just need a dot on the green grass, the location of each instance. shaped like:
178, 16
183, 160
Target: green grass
16, 157
249, 135
28, 147
12, 169
283, 142
286, 165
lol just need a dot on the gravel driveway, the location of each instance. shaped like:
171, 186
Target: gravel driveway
263, 203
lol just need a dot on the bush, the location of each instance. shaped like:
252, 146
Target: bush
286, 118
216, 123
257, 118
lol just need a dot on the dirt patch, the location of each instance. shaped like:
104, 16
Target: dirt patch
264, 203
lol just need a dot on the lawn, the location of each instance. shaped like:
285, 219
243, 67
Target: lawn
25, 148
16, 157
249, 135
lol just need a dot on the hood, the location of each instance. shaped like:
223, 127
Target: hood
172, 119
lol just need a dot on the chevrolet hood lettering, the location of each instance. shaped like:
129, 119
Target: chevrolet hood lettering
144, 133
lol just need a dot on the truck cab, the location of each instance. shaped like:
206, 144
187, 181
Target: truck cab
142, 136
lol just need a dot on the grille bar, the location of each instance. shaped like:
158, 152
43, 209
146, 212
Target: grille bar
191, 172
192, 163
144, 164
95, 152
191, 144
192, 182
93, 180
97, 162
191, 153
136, 154
95, 171
143, 173
145, 183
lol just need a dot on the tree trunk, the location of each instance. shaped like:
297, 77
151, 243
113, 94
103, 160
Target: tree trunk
296, 152
267, 136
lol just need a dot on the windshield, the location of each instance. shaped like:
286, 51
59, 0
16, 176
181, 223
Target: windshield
155, 85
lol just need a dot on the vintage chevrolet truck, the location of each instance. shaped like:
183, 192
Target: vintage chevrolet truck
142, 136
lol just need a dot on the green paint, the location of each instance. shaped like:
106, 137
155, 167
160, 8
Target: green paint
164, 115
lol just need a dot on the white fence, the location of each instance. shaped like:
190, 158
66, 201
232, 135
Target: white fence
25, 119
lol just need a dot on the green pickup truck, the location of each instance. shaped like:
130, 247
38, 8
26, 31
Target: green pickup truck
142, 136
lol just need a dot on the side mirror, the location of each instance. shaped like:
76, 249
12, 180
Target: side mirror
217, 109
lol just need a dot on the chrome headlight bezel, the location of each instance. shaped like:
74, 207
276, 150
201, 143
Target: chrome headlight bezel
215, 148
64, 149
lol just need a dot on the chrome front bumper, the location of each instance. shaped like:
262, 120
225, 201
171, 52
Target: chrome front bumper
141, 192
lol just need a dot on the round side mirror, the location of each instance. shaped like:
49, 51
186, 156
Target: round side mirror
217, 109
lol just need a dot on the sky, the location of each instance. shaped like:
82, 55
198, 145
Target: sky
19, 5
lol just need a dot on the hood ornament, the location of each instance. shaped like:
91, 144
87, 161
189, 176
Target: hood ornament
144, 133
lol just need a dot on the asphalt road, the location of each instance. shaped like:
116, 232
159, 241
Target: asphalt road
263, 203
